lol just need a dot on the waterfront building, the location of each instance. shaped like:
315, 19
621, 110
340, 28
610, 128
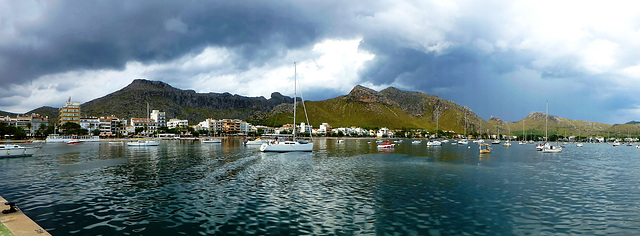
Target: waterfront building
324, 128
208, 125
177, 123
159, 117
304, 128
231, 126
245, 127
383, 132
29, 123
90, 123
265, 129
148, 126
70, 112
111, 125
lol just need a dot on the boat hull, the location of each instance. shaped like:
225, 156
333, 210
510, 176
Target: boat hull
551, 149
211, 141
17, 152
287, 147
65, 139
146, 143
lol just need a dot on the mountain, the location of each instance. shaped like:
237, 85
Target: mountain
535, 123
132, 100
391, 107
4, 113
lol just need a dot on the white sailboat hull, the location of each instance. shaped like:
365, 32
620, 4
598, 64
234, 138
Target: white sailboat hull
144, 143
552, 150
211, 141
286, 147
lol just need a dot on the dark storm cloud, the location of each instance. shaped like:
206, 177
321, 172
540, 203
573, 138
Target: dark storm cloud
481, 55
77, 35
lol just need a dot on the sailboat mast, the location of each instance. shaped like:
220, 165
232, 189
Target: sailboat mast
465, 122
546, 135
295, 96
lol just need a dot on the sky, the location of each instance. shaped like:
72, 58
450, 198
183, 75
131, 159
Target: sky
499, 58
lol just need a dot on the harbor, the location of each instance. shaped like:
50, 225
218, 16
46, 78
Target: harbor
348, 187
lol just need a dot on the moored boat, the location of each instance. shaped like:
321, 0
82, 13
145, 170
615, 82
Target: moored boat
485, 148
547, 148
211, 140
434, 143
257, 141
143, 143
386, 144
74, 141
56, 138
290, 146
286, 146
16, 151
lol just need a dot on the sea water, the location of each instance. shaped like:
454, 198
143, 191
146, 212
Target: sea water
189, 188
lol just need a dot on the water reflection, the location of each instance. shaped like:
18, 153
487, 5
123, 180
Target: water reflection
340, 188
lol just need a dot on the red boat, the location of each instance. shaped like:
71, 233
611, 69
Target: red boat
386, 144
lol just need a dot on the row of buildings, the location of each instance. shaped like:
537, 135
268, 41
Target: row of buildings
112, 125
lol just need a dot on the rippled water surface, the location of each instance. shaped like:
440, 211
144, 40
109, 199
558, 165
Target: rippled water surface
187, 188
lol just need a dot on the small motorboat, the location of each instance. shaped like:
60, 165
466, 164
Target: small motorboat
74, 141
386, 144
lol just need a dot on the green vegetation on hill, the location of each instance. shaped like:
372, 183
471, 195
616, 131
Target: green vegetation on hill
340, 113
390, 108
132, 100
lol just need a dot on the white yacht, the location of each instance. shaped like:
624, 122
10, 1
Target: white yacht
56, 138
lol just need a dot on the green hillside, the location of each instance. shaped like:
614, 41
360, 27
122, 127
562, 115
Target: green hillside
389, 108
340, 113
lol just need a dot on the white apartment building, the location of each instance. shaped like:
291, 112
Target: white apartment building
159, 117
177, 123
90, 123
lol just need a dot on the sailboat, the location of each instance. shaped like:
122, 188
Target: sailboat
524, 137
579, 144
293, 145
464, 140
485, 148
547, 148
508, 142
497, 140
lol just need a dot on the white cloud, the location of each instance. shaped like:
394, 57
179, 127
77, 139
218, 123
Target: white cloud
330, 64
